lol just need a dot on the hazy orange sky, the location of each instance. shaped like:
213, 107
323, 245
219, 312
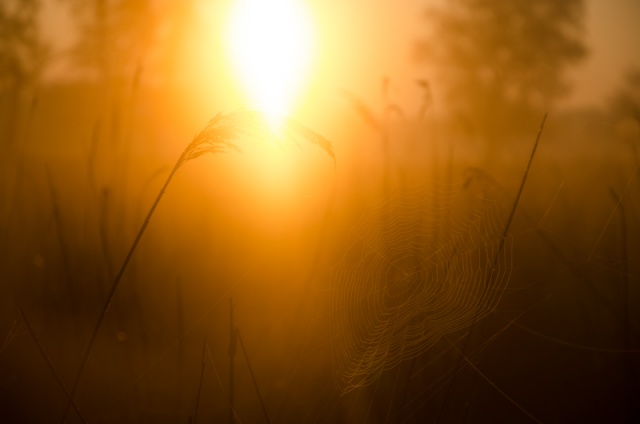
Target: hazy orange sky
364, 40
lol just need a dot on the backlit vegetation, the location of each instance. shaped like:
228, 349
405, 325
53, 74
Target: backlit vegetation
377, 262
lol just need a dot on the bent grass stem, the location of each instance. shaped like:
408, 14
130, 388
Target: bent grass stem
217, 136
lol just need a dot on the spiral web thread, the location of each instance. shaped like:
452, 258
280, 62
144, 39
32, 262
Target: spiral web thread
421, 264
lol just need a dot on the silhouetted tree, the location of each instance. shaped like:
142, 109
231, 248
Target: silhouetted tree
624, 108
22, 57
626, 101
499, 62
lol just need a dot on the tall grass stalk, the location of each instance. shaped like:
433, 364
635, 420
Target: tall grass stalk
624, 271
62, 245
636, 172
218, 135
215, 371
489, 275
253, 376
200, 380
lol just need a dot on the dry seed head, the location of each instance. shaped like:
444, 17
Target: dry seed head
294, 128
223, 130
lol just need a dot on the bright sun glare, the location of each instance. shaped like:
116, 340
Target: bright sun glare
270, 44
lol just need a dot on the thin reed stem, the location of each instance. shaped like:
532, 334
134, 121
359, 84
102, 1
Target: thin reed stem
112, 291
201, 380
217, 136
50, 365
253, 376
489, 276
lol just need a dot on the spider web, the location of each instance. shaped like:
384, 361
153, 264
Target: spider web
422, 263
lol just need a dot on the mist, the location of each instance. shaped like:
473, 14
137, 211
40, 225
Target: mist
444, 227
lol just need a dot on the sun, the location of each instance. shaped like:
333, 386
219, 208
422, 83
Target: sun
270, 44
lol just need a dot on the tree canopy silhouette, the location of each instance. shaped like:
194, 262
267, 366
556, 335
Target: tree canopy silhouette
500, 62
626, 100
624, 108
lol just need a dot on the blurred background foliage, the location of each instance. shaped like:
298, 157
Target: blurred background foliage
23, 55
502, 64
114, 37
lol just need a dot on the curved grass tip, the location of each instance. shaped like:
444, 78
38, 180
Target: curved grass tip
224, 129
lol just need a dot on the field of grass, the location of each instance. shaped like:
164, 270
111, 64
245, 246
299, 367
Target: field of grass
379, 288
